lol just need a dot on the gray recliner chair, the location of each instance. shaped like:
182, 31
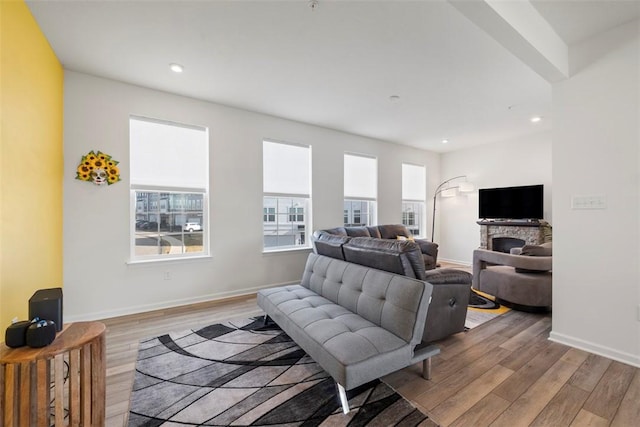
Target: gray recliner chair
518, 280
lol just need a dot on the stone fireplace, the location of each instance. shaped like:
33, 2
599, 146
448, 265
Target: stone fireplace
504, 235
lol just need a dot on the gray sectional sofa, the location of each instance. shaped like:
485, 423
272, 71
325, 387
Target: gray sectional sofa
366, 307
428, 249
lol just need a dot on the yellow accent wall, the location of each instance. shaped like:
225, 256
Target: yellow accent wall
31, 162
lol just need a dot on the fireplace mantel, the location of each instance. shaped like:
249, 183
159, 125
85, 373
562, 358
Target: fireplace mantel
532, 232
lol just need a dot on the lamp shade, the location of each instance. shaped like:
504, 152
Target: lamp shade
466, 187
449, 192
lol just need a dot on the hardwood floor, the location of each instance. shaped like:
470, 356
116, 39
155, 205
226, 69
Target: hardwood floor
502, 373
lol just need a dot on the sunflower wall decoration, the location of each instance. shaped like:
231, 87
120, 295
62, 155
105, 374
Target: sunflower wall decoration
98, 168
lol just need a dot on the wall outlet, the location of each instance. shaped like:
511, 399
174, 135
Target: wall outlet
166, 275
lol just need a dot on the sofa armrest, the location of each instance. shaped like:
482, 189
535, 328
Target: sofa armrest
517, 261
483, 257
428, 247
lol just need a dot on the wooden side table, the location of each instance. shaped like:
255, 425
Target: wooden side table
78, 391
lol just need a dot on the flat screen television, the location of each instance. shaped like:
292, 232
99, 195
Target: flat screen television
524, 202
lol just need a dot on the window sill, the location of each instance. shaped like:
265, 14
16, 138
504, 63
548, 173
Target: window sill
286, 250
195, 258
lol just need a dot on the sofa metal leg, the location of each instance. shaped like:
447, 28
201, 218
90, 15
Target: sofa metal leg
343, 399
426, 368
265, 320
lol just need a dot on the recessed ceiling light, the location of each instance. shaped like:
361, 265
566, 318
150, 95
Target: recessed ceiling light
394, 98
176, 68
445, 141
535, 119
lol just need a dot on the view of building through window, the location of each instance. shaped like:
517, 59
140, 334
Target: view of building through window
358, 212
414, 185
168, 223
286, 195
169, 180
360, 190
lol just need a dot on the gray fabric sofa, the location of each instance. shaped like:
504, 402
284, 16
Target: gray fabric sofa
521, 280
428, 249
451, 287
357, 322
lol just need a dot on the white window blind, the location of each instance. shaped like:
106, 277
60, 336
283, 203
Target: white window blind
168, 155
286, 169
360, 177
414, 182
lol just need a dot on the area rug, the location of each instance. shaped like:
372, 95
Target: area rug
240, 373
477, 300
476, 316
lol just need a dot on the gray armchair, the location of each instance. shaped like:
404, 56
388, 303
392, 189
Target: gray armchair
521, 281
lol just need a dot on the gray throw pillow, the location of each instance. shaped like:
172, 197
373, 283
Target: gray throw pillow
537, 250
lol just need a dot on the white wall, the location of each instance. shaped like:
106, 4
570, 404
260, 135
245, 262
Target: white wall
99, 283
526, 161
596, 277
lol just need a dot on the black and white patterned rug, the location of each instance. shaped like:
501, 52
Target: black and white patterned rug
242, 374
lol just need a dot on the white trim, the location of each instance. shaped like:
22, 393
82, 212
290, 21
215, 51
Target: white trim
285, 195
455, 261
610, 353
280, 249
167, 189
168, 304
277, 141
168, 258
168, 122
359, 199
366, 156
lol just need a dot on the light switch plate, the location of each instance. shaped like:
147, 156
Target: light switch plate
596, 201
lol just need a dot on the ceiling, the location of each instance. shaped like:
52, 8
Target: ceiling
336, 66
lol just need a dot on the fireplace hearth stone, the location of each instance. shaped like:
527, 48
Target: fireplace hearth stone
532, 233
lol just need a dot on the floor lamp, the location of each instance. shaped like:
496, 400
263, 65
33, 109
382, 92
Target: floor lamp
463, 187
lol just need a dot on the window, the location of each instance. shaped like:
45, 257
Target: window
286, 198
169, 189
296, 214
360, 190
414, 189
269, 214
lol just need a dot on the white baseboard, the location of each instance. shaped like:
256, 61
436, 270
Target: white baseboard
455, 261
166, 304
620, 356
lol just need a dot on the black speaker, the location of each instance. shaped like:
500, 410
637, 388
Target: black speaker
40, 333
46, 304
16, 334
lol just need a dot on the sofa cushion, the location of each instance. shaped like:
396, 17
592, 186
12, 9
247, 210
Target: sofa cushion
330, 245
339, 231
384, 299
394, 256
352, 349
392, 231
357, 231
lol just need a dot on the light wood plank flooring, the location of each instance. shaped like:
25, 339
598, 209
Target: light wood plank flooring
502, 373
